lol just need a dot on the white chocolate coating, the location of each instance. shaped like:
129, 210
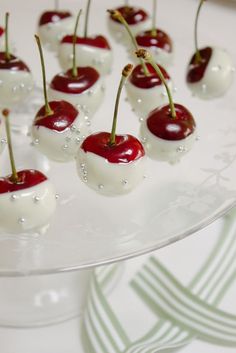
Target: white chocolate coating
2, 139
87, 55
143, 101
217, 78
51, 33
161, 56
165, 150
28, 210
119, 33
61, 146
89, 100
109, 178
15, 87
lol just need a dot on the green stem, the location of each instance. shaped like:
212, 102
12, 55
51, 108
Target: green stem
87, 18
74, 66
197, 55
150, 60
7, 53
48, 110
154, 18
14, 177
125, 73
120, 18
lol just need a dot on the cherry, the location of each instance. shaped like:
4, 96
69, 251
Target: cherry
91, 50
66, 82
12, 63
53, 16
1, 31
158, 40
161, 123
97, 41
197, 68
120, 164
126, 148
72, 84
25, 179
27, 198
172, 122
63, 116
58, 127
132, 15
16, 78
139, 79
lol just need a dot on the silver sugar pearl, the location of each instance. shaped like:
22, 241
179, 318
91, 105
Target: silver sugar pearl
13, 197
124, 182
73, 128
36, 199
21, 220
57, 196
65, 147
139, 100
100, 186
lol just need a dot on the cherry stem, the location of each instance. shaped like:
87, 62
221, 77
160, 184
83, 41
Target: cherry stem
125, 74
148, 58
56, 4
48, 110
117, 16
87, 18
197, 55
74, 66
154, 18
7, 54
14, 177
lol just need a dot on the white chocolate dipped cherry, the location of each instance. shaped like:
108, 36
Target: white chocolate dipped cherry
145, 90
137, 18
53, 25
157, 42
210, 71
27, 198
58, 127
81, 86
112, 164
94, 51
169, 131
16, 81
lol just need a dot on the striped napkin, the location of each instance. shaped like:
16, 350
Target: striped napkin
182, 313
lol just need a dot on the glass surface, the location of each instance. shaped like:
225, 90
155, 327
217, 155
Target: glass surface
174, 200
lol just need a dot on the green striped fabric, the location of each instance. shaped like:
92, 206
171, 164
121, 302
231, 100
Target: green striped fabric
186, 313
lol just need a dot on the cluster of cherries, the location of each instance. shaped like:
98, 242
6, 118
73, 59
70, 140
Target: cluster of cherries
109, 163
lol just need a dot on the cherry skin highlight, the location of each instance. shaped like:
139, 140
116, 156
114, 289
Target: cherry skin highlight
160, 40
96, 41
132, 15
163, 125
53, 16
67, 83
126, 149
139, 79
13, 64
64, 114
197, 69
27, 179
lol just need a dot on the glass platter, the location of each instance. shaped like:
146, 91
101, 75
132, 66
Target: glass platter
173, 202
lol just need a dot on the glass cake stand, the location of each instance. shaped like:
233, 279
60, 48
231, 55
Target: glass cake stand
40, 280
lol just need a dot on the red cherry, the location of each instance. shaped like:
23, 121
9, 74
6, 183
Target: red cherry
14, 64
163, 125
160, 40
196, 69
132, 15
53, 16
1, 31
67, 83
139, 79
96, 41
27, 179
64, 114
127, 148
